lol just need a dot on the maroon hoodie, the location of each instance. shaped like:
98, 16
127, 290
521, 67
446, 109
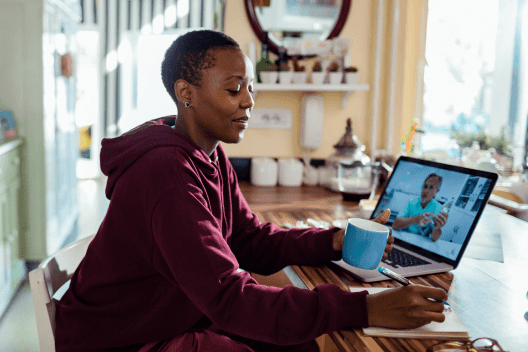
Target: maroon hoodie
167, 252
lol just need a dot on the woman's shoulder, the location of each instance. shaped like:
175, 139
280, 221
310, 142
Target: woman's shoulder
162, 165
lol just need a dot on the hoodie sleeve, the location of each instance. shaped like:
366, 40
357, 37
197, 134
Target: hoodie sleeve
200, 261
265, 248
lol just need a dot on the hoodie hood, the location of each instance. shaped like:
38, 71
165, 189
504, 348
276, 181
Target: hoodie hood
117, 154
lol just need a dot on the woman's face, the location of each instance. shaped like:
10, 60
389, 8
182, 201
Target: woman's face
222, 104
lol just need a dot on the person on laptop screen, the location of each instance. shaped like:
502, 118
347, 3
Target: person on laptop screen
424, 215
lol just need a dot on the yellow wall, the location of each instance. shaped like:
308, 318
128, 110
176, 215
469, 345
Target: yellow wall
360, 30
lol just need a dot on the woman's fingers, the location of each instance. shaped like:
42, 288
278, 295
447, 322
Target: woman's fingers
434, 293
433, 316
406, 307
384, 217
436, 307
388, 246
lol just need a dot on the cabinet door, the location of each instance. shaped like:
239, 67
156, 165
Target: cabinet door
13, 240
5, 252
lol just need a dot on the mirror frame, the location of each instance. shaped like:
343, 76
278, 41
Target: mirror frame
259, 31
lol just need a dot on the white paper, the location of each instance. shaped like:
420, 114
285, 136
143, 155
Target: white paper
452, 326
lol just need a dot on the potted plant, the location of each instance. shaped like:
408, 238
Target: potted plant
351, 75
285, 74
317, 73
299, 73
335, 76
269, 74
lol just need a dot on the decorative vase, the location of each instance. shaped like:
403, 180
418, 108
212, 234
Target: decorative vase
285, 77
336, 77
318, 77
352, 77
269, 77
299, 77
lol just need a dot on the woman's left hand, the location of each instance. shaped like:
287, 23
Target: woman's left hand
339, 236
382, 219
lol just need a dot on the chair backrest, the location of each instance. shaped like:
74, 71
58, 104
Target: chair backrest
46, 280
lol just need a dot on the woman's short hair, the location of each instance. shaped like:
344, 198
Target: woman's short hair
190, 54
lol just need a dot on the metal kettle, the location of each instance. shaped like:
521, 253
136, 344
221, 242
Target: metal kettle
349, 153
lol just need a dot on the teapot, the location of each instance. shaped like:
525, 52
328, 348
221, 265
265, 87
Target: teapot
356, 180
349, 170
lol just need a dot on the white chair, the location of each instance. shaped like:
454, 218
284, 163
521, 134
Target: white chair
46, 280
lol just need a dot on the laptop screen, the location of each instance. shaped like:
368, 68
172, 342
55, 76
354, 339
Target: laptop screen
434, 206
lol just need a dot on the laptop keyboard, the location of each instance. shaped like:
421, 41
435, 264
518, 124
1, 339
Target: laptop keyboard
403, 259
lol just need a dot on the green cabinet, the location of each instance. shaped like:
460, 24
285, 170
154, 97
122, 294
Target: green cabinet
12, 266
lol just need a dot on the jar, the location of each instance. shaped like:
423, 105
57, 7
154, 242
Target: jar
264, 172
290, 172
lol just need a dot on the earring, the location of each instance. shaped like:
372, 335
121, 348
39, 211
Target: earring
187, 104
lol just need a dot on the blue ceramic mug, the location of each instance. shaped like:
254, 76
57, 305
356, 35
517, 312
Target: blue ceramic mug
364, 243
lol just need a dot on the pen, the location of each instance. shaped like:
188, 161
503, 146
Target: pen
404, 281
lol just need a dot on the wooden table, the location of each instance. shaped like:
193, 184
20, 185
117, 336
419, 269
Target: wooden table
489, 297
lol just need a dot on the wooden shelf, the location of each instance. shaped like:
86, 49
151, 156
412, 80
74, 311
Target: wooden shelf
345, 89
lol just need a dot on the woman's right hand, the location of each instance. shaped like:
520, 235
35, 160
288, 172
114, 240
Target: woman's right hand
406, 307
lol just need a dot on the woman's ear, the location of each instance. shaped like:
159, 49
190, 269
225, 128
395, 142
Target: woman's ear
182, 91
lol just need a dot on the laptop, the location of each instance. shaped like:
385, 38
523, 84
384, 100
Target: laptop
416, 186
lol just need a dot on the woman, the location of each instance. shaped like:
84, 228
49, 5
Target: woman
162, 272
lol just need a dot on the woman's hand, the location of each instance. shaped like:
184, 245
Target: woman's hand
382, 219
406, 307
339, 236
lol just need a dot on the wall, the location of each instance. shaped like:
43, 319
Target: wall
21, 90
360, 30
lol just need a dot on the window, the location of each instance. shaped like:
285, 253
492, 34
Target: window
87, 103
143, 95
475, 82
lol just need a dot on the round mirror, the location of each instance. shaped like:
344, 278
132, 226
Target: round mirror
290, 21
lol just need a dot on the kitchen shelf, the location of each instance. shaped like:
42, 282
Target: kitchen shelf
345, 89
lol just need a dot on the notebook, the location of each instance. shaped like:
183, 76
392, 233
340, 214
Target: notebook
451, 328
416, 186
